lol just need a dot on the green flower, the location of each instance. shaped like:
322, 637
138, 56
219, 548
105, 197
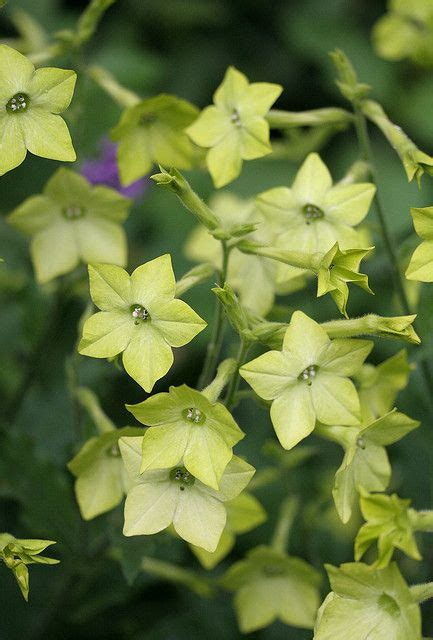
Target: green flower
375, 604
139, 317
234, 128
406, 31
151, 132
379, 385
32, 101
308, 380
17, 554
389, 523
243, 269
271, 585
244, 513
365, 463
336, 269
421, 263
184, 425
72, 221
162, 497
314, 214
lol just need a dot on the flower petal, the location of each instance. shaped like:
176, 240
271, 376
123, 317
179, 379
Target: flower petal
150, 508
47, 135
148, 357
34, 214
210, 127
12, 147
109, 287
53, 252
312, 181
133, 156
259, 98
178, 323
224, 160
199, 518
255, 139
16, 72
106, 333
305, 338
293, 415
153, 281
270, 374
52, 89
232, 89
335, 400
348, 203
100, 240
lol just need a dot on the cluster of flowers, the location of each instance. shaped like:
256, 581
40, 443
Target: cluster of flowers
181, 472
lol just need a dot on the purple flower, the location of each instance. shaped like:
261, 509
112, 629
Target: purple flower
103, 170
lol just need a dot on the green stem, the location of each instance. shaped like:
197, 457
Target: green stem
389, 240
214, 346
284, 524
234, 382
278, 119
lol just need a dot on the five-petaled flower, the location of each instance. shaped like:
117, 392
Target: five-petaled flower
162, 497
234, 128
308, 379
71, 221
140, 317
30, 103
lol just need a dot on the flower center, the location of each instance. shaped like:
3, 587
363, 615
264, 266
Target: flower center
73, 212
18, 103
192, 414
311, 212
361, 443
272, 570
182, 477
309, 373
147, 118
235, 118
114, 451
388, 604
139, 313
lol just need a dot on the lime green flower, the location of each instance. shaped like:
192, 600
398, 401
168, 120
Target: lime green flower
244, 513
234, 128
72, 222
379, 385
243, 269
184, 425
308, 380
271, 585
389, 523
32, 101
17, 554
406, 31
151, 132
365, 463
421, 263
314, 214
375, 604
162, 497
139, 317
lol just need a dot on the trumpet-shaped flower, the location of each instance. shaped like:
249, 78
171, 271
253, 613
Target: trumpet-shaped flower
243, 269
308, 380
271, 585
152, 132
314, 214
184, 425
159, 498
31, 101
72, 221
234, 128
139, 317
17, 554
372, 603
421, 263
389, 524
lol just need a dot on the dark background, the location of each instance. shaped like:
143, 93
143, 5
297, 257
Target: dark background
184, 47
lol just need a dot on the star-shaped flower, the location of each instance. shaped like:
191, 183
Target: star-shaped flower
365, 463
308, 379
243, 269
184, 425
244, 513
17, 554
373, 604
152, 132
174, 496
31, 101
314, 214
72, 222
389, 524
234, 128
421, 263
139, 317
271, 585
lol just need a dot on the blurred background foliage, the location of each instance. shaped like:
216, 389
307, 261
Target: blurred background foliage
99, 590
